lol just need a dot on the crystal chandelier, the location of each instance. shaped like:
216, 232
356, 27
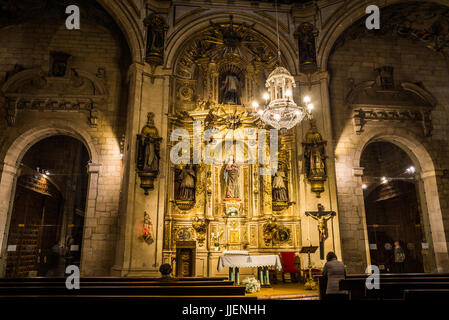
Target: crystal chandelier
280, 110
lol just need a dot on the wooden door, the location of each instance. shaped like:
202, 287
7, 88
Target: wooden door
34, 230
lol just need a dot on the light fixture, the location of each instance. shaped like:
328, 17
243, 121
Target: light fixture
384, 179
280, 110
364, 186
411, 170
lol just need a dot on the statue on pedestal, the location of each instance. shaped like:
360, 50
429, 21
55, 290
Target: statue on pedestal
231, 89
231, 176
148, 154
186, 190
279, 188
315, 158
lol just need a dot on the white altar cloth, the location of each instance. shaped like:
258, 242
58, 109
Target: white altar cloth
241, 261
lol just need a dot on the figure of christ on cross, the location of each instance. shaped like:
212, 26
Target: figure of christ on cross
321, 217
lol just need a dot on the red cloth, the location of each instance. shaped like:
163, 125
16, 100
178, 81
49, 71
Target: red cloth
288, 262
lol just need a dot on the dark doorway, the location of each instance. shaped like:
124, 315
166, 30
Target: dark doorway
392, 207
47, 222
185, 258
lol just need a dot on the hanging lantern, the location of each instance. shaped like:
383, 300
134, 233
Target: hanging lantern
280, 111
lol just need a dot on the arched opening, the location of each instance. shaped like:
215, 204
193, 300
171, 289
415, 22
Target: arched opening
47, 221
393, 209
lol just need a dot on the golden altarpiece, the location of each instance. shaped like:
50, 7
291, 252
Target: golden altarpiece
228, 204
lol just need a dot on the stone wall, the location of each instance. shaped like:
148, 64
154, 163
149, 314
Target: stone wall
355, 61
93, 48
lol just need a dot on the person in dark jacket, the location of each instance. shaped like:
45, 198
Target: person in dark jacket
399, 257
166, 270
335, 271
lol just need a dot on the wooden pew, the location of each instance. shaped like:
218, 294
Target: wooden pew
94, 287
126, 290
121, 283
24, 299
105, 279
426, 294
392, 286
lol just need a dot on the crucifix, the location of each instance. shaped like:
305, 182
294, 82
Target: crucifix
321, 216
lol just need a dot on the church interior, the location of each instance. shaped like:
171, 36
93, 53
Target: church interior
227, 145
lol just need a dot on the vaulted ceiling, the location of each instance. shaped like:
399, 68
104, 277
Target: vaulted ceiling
425, 23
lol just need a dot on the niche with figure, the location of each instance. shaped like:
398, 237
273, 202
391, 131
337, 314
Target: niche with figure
231, 84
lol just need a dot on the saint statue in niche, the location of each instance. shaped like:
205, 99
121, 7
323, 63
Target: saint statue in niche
279, 188
186, 190
151, 155
156, 29
231, 176
317, 158
314, 152
149, 147
231, 89
307, 34
148, 154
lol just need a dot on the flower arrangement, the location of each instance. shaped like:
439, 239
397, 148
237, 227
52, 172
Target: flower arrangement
252, 285
216, 239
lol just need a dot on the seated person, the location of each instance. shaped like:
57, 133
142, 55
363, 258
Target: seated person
166, 270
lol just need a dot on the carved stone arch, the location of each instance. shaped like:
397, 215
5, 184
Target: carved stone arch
21, 77
18, 144
427, 186
380, 101
404, 139
15, 147
222, 43
190, 29
427, 170
420, 91
34, 89
344, 17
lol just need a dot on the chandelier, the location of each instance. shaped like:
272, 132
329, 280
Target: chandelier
280, 110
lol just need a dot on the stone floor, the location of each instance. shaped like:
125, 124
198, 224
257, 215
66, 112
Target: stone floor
286, 291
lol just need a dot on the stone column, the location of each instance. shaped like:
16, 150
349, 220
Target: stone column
435, 220
130, 182
8, 178
134, 257
316, 86
89, 254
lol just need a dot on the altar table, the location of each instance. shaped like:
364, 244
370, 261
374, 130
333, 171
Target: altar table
234, 262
